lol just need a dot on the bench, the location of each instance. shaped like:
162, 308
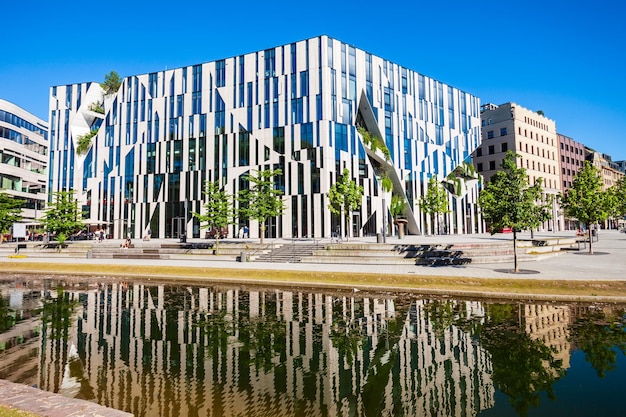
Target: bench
583, 241
20, 246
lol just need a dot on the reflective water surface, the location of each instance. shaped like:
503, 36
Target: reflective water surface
187, 350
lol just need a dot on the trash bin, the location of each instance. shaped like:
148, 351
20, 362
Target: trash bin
183, 238
379, 238
243, 256
89, 254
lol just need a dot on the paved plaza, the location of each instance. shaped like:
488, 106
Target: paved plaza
607, 263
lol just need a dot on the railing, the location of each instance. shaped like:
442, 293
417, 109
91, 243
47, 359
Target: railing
269, 246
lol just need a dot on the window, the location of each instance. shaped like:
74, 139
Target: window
220, 73
479, 152
480, 167
504, 147
503, 131
492, 165
279, 140
490, 134
491, 150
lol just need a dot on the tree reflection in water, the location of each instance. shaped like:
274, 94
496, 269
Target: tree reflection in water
6, 317
523, 367
601, 335
184, 350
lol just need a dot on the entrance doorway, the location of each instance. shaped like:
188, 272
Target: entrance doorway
178, 227
356, 224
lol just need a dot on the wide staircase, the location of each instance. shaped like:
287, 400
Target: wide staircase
440, 254
290, 252
192, 251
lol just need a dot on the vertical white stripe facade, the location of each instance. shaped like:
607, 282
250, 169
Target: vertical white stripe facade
295, 107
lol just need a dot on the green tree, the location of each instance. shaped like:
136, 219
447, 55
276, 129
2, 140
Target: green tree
434, 203
457, 181
84, 142
374, 142
585, 200
612, 204
261, 201
345, 196
218, 208
10, 211
62, 215
111, 84
508, 201
619, 195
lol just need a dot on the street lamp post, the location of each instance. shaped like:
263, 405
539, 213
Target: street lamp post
384, 213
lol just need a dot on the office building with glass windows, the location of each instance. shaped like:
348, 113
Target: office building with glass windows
301, 107
23, 158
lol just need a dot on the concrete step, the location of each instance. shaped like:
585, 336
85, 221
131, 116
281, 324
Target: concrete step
289, 253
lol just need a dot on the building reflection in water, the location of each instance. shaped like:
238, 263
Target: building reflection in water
171, 351
185, 350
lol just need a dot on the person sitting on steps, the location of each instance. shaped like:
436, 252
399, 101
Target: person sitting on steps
127, 243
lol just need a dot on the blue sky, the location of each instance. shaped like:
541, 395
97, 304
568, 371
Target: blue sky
566, 58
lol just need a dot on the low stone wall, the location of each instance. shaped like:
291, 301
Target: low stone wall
48, 404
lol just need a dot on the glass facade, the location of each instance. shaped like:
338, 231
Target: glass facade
300, 107
23, 158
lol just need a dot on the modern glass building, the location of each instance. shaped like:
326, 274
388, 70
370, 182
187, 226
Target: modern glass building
298, 107
23, 158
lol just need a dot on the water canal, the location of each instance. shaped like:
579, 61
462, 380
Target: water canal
187, 350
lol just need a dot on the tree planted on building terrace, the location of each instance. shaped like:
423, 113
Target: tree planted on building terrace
10, 211
261, 200
218, 209
111, 84
345, 196
508, 201
586, 201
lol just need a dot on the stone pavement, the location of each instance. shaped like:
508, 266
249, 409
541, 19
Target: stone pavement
607, 263
48, 404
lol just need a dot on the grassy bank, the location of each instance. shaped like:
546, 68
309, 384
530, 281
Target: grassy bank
484, 287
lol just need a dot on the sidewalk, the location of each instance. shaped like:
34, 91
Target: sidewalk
608, 262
